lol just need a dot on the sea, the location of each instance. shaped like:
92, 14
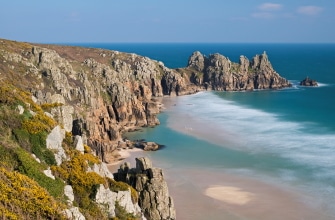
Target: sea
282, 139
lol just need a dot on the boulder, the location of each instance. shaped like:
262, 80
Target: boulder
20, 109
68, 192
48, 173
74, 214
149, 146
78, 143
308, 82
54, 142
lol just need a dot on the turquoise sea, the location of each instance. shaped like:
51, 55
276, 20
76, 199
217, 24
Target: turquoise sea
284, 138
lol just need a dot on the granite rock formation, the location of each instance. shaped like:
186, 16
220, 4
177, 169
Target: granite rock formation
154, 198
98, 94
217, 72
95, 95
308, 82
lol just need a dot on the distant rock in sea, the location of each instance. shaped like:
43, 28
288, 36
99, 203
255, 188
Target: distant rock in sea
308, 82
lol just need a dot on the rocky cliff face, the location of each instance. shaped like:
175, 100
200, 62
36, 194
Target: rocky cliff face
217, 72
98, 94
102, 93
154, 198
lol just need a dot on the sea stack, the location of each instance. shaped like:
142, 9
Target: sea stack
308, 82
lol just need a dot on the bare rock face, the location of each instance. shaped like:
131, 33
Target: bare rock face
197, 61
149, 146
107, 199
219, 73
54, 142
154, 198
308, 82
74, 213
99, 96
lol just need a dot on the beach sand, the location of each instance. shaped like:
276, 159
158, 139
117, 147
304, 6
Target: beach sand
205, 194
122, 156
202, 193
230, 195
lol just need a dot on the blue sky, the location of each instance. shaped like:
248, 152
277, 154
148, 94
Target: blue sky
249, 21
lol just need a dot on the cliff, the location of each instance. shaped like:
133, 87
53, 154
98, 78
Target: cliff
62, 105
153, 191
217, 72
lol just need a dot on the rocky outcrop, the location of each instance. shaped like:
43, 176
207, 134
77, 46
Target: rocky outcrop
219, 73
98, 94
308, 82
146, 145
74, 213
108, 199
154, 198
54, 142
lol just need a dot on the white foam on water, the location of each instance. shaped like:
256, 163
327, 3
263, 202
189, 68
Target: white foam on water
263, 131
257, 131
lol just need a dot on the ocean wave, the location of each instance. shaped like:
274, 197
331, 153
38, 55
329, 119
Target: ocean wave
259, 131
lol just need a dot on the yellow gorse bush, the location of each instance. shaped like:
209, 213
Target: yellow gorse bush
21, 196
74, 171
38, 123
49, 106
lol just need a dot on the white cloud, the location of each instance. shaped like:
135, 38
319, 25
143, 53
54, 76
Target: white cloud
310, 10
270, 7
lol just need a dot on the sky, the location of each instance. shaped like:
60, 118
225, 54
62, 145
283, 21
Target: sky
210, 21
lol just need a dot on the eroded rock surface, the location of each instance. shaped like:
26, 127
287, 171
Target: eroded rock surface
308, 82
219, 73
154, 198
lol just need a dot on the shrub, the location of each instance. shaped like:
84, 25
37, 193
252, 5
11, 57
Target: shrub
48, 106
23, 198
22, 138
74, 172
29, 166
39, 123
68, 140
7, 158
35, 143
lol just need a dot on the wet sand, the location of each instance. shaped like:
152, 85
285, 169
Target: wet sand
204, 194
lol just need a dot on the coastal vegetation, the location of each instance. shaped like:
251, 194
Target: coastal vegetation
63, 110
25, 191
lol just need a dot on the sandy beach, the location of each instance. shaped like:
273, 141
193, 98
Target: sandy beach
225, 195
229, 196
122, 156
